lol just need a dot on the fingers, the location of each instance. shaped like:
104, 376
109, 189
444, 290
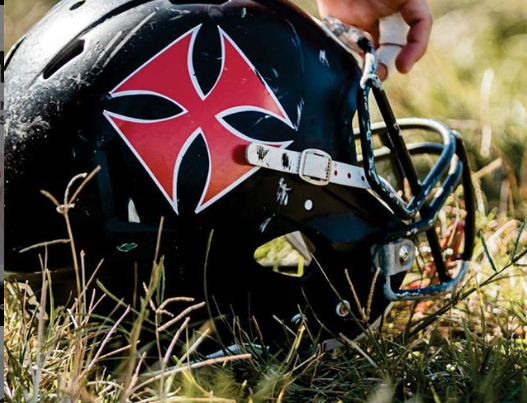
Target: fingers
365, 14
358, 13
417, 15
382, 72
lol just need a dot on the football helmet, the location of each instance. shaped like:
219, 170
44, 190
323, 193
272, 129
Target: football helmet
234, 122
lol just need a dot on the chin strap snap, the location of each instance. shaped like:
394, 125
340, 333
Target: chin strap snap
314, 166
393, 31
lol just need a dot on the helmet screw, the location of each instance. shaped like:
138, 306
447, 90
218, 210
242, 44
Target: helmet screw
298, 319
404, 254
343, 308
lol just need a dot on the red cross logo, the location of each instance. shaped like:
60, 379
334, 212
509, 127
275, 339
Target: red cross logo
161, 144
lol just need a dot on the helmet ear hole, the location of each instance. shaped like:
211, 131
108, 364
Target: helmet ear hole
288, 254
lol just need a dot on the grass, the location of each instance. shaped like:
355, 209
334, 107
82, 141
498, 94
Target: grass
469, 348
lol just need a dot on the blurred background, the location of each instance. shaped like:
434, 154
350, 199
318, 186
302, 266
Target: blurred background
474, 77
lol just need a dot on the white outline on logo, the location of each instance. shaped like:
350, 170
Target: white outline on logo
199, 132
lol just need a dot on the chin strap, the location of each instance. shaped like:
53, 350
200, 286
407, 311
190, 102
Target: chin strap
314, 166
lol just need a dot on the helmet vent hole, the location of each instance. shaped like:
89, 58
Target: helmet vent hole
67, 54
289, 254
184, 2
77, 5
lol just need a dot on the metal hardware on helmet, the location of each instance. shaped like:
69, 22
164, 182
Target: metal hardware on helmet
343, 308
315, 167
389, 257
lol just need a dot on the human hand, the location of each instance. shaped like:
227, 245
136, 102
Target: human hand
366, 14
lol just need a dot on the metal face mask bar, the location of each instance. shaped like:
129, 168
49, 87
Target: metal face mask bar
452, 156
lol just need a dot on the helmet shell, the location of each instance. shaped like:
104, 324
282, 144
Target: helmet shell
66, 108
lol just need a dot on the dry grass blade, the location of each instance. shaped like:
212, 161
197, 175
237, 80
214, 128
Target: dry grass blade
196, 365
183, 314
44, 244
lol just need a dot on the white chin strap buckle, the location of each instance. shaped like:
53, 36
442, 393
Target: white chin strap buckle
313, 166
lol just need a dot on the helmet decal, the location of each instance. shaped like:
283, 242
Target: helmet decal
160, 145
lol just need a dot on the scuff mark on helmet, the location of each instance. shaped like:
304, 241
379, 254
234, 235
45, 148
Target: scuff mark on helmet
128, 37
282, 195
299, 110
286, 162
35, 127
110, 44
322, 57
266, 222
261, 152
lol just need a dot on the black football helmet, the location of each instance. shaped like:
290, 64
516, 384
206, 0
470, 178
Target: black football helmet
233, 121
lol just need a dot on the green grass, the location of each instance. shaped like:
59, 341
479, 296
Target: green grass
470, 348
